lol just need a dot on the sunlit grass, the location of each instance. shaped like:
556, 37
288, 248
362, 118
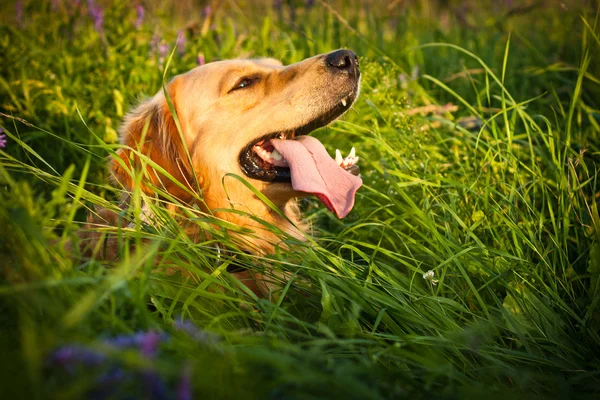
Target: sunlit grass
495, 193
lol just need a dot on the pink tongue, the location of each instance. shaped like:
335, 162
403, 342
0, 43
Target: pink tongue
314, 171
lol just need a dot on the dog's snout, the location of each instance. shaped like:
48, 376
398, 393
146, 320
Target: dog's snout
342, 60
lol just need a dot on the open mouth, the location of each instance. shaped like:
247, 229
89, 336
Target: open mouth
293, 157
260, 160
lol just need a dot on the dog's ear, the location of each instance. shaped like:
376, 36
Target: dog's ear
150, 129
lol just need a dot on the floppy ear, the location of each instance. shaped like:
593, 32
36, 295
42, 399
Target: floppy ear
150, 129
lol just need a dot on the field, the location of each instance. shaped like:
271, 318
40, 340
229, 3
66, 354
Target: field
478, 131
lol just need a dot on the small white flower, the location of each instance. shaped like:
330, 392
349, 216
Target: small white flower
428, 276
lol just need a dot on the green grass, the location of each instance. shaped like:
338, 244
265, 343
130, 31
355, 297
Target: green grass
505, 213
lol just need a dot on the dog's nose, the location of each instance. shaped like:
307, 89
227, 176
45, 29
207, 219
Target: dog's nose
343, 60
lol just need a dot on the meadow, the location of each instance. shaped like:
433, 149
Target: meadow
479, 139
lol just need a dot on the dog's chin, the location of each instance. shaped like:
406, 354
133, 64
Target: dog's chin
267, 169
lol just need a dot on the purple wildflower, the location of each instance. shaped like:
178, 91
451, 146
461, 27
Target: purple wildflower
207, 11
2, 139
181, 40
55, 4
184, 388
111, 374
122, 341
163, 50
67, 356
309, 3
140, 16
19, 13
97, 15
158, 46
200, 59
149, 343
196, 333
99, 21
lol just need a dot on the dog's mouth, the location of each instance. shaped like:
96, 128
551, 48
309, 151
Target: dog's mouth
260, 160
293, 157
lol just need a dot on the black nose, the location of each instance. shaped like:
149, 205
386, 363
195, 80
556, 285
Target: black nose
343, 60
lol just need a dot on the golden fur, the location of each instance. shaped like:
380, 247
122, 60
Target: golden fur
217, 120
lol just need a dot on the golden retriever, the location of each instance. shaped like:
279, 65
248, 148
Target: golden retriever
250, 118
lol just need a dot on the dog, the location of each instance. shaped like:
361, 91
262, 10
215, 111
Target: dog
249, 118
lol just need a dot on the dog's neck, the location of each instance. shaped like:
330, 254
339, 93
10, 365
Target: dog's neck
260, 218
254, 215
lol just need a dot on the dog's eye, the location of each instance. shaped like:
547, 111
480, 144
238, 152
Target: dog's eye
244, 83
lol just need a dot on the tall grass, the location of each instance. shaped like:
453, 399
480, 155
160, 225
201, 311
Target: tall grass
479, 139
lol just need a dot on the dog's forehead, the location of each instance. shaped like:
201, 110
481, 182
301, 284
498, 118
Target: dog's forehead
216, 75
239, 65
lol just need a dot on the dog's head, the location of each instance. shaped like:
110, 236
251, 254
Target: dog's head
250, 118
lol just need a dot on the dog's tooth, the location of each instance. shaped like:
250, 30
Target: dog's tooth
265, 154
276, 155
338, 157
352, 153
344, 102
